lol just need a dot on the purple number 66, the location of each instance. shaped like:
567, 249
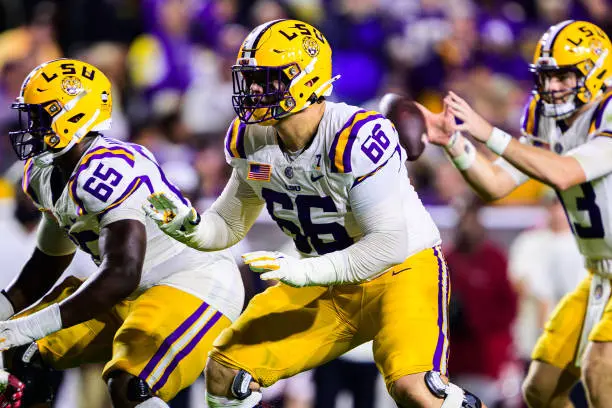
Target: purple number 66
102, 191
375, 145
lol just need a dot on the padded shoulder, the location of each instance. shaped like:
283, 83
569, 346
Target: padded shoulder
530, 121
26, 184
234, 140
105, 177
242, 140
601, 121
365, 142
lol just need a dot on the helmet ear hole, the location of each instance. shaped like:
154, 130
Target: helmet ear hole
313, 81
76, 117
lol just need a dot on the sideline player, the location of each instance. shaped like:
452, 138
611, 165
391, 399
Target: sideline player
154, 307
567, 128
333, 178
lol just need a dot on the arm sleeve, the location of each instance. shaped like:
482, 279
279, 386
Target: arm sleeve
51, 239
594, 157
230, 217
377, 207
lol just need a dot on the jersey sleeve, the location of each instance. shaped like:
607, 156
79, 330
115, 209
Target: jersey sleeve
363, 145
378, 209
105, 179
530, 121
593, 156
601, 121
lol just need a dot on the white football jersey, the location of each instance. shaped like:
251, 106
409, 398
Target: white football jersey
110, 183
308, 196
588, 205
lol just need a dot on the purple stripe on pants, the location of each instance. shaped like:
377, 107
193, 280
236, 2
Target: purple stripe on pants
174, 336
185, 351
437, 359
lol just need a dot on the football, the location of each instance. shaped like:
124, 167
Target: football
408, 120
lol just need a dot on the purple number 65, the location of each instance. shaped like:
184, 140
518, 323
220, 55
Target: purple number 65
95, 186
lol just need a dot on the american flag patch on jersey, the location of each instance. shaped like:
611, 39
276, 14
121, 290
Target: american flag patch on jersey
259, 172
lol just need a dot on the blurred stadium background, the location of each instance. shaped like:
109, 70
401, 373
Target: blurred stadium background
169, 61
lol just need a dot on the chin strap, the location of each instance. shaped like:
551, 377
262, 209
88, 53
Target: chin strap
325, 89
560, 110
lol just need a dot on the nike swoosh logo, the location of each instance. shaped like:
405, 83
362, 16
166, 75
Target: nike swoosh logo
313, 178
400, 271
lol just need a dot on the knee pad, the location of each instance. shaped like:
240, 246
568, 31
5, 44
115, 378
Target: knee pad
453, 395
245, 397
41, 382
240, 385
154, 402
138, 390
251, 401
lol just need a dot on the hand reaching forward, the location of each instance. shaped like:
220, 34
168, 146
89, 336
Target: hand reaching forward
439, 126
173, 217
473, 123
277, 266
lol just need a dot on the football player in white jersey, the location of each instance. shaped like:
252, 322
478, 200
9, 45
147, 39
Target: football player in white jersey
567, 144
155, 305
333, 178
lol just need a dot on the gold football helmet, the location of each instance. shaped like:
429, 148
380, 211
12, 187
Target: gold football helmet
572, 46
283, 66
59, 103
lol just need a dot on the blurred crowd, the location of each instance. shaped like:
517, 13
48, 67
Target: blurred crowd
169, 62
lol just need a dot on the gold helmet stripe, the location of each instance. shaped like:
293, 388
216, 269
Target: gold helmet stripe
547, 46
250, 44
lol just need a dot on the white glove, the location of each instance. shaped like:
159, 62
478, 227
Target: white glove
278, 266
173, 217
25, 330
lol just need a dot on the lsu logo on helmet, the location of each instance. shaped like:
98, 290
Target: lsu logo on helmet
59, 103
580, 47
283, 66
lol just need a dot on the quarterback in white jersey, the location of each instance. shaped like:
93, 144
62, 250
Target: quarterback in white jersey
333, 177
154, 307
567, 144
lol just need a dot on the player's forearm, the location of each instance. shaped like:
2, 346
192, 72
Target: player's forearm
362, 261
122, 251
36, 278
109, 286
228, 220
215, 233
488, 180
559, 172
385, 240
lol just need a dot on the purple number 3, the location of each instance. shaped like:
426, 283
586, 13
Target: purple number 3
102, 191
